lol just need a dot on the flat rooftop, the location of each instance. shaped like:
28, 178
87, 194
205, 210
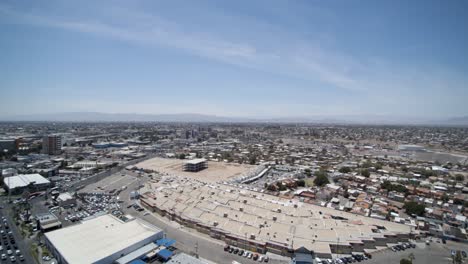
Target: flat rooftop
23, 180
195, 161
99, 237
264, 217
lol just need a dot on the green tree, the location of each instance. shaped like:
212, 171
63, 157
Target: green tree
182, 156
345, 170
301, 183
272, 187
365, 173
387, 185
458, 259
321, 178
459, 177
414, 208
307, 172
405, 261
252, 160
445, 198
367, 164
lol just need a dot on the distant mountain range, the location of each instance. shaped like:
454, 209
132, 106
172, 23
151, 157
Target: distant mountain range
199, 118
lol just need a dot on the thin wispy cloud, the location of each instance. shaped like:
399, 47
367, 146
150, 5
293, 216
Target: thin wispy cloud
377, 80
157, 31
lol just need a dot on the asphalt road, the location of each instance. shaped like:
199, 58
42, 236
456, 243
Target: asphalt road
24, 245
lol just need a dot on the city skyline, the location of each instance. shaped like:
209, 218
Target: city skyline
248, 59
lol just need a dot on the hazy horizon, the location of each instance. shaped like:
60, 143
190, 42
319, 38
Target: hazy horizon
236, 59
197, 117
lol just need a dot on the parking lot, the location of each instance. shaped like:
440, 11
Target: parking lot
423, 254
116, 181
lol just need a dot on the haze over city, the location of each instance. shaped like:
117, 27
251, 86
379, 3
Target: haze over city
397, 60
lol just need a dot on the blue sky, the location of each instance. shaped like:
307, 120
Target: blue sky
235, 58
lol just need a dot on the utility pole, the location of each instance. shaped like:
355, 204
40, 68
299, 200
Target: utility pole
196, 249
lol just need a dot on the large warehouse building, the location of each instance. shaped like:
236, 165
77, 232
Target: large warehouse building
101, 240
264, 223
22, 182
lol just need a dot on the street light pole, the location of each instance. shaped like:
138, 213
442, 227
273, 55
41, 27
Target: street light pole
245, 241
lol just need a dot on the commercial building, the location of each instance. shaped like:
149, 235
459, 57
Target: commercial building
48, 222
264, 223
101, 240
22, 182
66, 200
8, 172
52, 144
195, 165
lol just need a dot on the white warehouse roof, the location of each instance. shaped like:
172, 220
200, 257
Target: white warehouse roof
100, 237
24, 180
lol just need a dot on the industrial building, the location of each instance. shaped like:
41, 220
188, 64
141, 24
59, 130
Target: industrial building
102, 240
104, 145
195, 165
52, 144
31, 182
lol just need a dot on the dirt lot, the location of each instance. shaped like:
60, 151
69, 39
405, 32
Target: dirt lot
216, 171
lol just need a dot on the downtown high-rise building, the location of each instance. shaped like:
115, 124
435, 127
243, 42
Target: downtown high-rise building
52, 144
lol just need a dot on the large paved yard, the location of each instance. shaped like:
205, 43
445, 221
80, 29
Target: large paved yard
216, 171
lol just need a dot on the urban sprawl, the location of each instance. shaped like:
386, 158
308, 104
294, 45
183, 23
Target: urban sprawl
232, 193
